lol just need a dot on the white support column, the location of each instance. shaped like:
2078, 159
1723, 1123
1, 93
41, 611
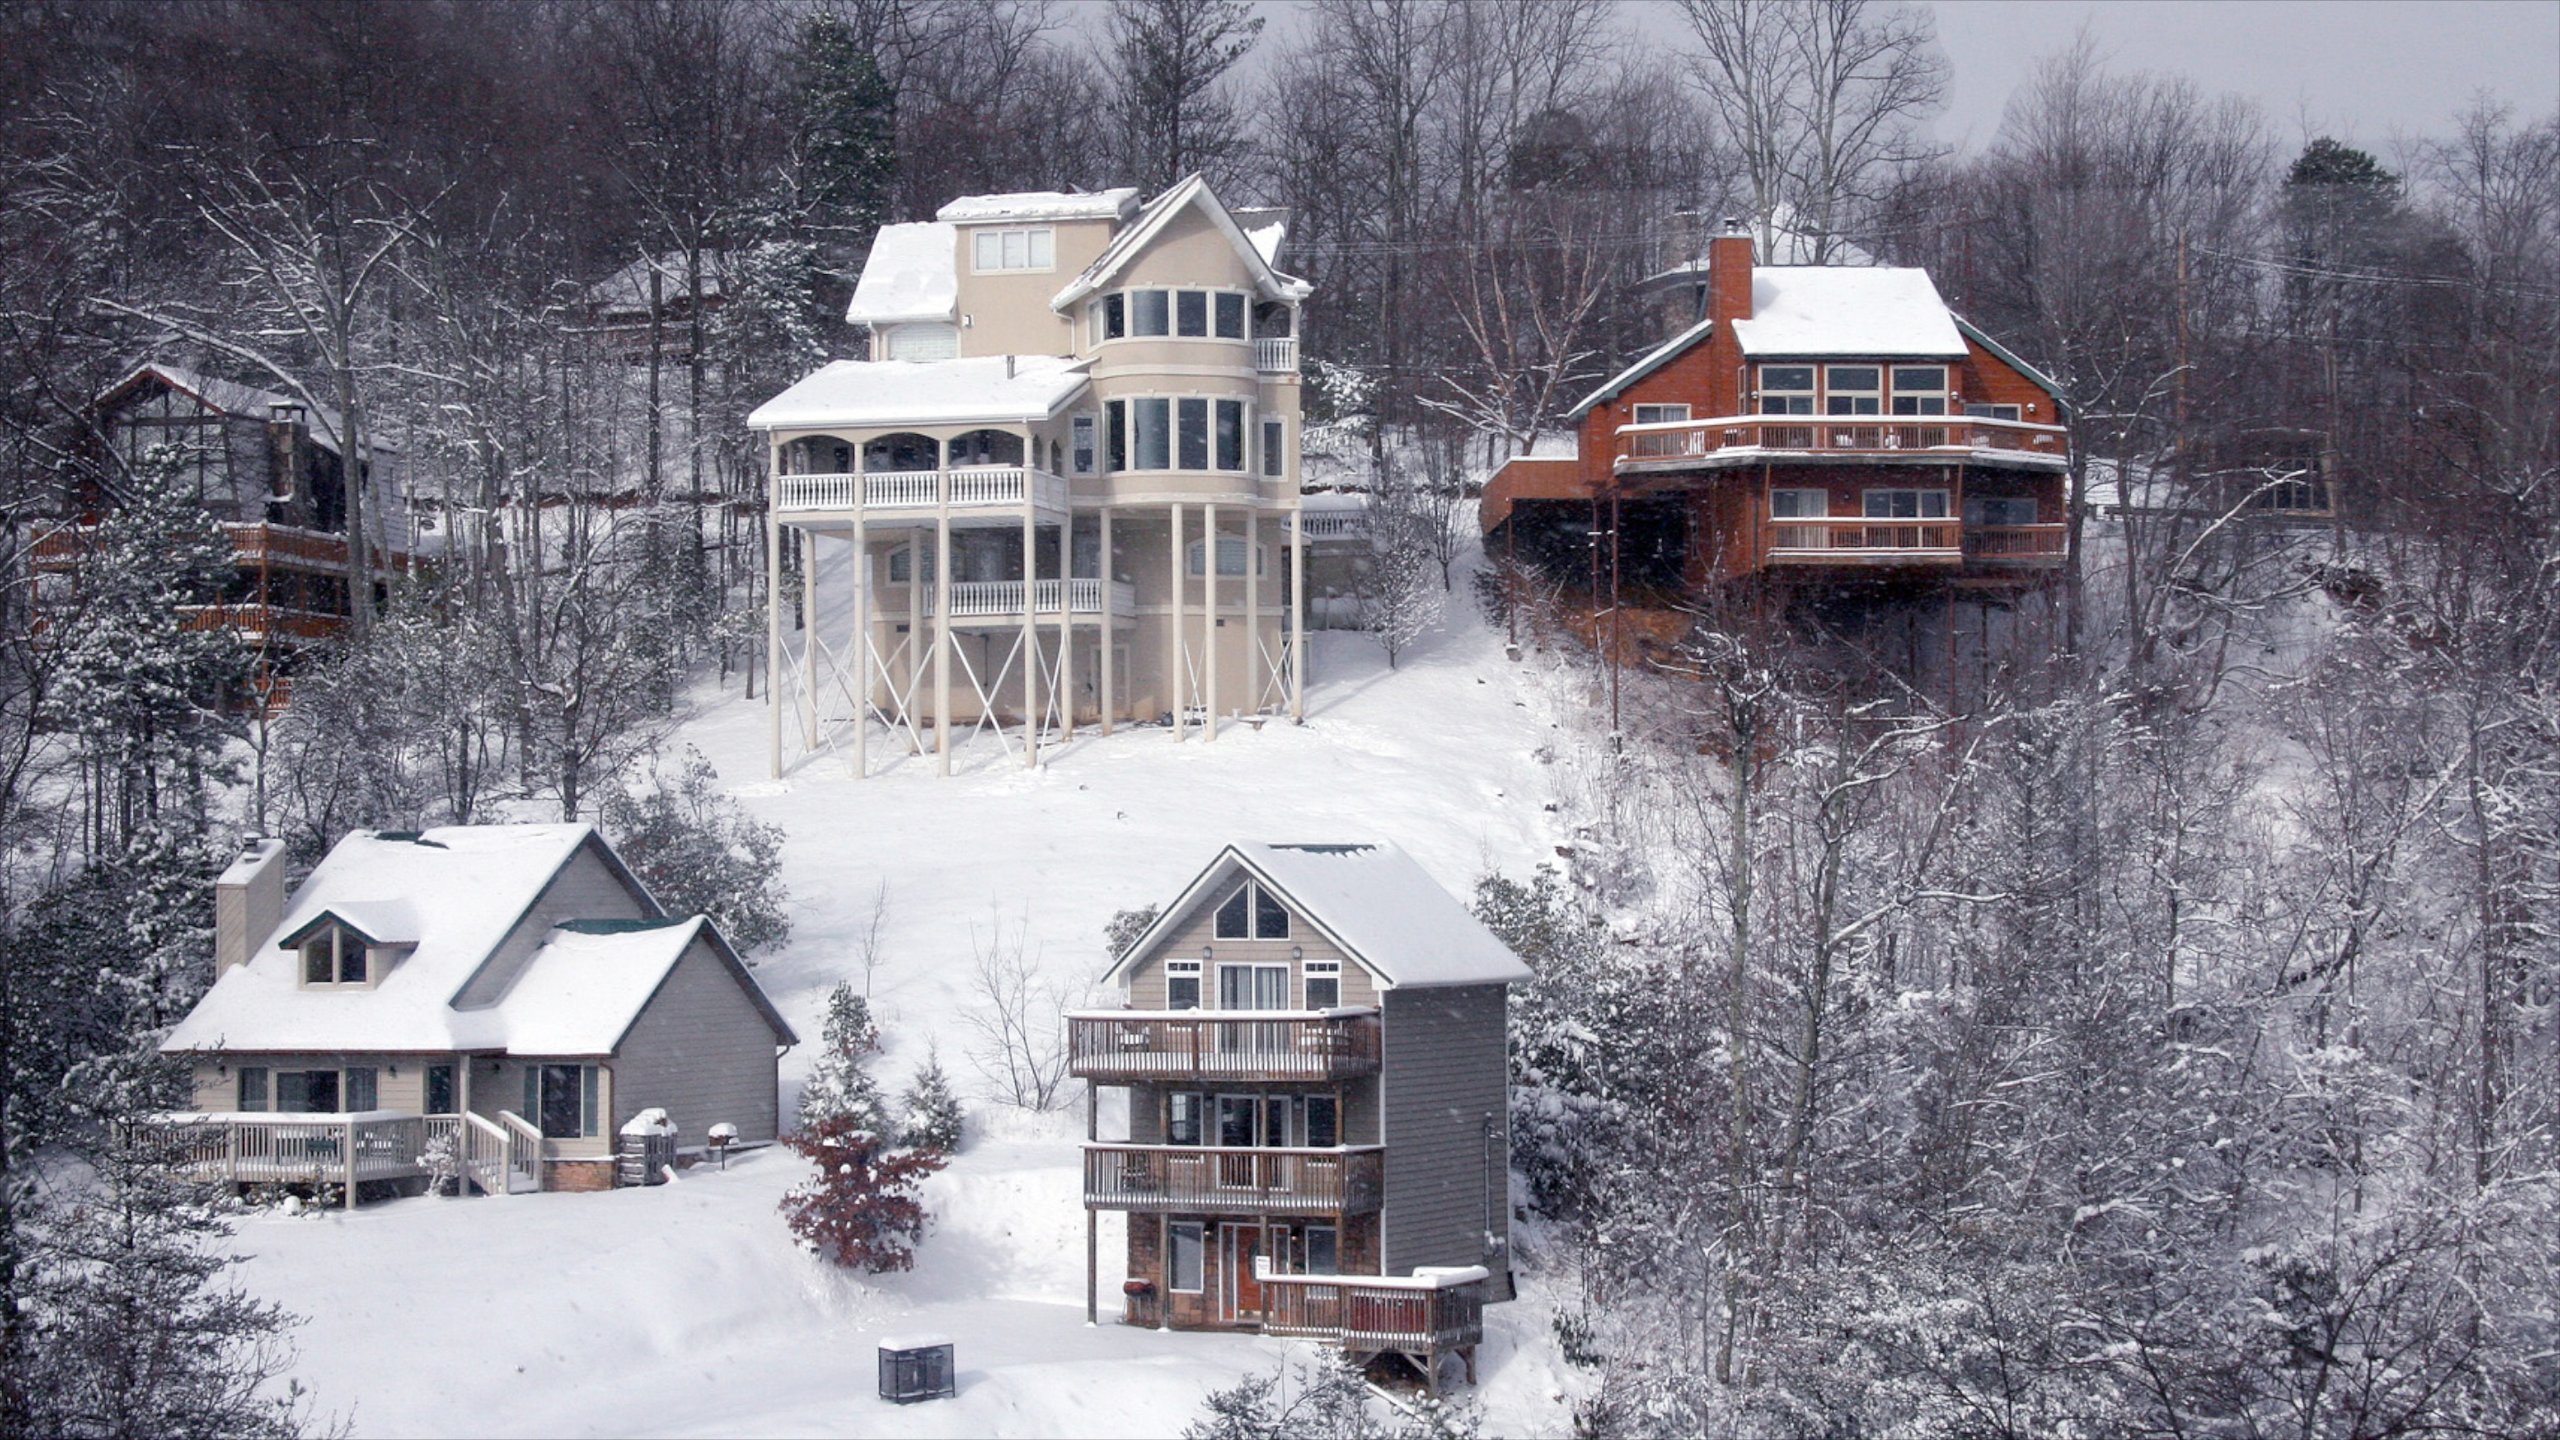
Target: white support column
1173, 671
1209, 622
942, 639
1066, 688
1253, 609
1109, 632
909, 693
773, 626
861, 647
811, 651
1030, 625
1298, 613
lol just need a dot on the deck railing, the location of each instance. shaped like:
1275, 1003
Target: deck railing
1125, 1045
1226, 1180
977, 598
1430, 1312
2028, 543
1276, 354
1334, 524
1677, 440
255, 619
975, 487
524, 1153
1849, 539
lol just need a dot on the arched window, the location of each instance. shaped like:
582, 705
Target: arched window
818, 455
904, 450
986, 447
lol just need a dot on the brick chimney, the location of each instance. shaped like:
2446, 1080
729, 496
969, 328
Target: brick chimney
1729, 273
248, 902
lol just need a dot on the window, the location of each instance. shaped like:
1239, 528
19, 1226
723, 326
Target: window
253, 1087
1080, 449
440, 1096
1230, 435
1250, 902
1854, 390
1182, 1111
1786, 389
335, 956
1999, 510
1230, 315
1324, 984
561, 1099
1660, 414
1182, 1268
1324, 1247
307, 1092
1919, 389
1992, 412
1906, 504
1032, 249
1153, 420
1253, 987
1194, 413
361, 1090
1182, 984
1111, 318
1324, 1122
1230, 565
1799, 504
1191, 313
1275, 447
1154, 312
1115, 434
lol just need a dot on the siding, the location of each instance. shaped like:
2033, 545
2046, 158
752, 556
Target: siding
1199, 928
1444, 1074
217, 1083
702, 1052
584, 889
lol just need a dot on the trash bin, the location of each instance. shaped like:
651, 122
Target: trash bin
916, 1367
646, 1150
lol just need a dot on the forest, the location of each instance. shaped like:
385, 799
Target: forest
2148, 1026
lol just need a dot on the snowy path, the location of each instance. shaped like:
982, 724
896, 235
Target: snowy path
684, 1310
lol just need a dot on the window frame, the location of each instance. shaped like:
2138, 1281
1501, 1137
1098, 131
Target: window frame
1662, 414
1255, 985
589, 1094
1190, 307
1768, 390
1981, 410
343, 944
1033, 241
1185, 1237
1160, 302
1275, 447
1837, 391
252, 1079
1182, 1119
1084, 448
1799, 491
1182, 971
1921, 396
1220, 303
1922, 497
1310, 972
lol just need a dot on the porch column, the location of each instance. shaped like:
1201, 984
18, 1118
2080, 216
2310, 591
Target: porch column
942, 636
1298, 614
1107, 629
1173, 673
861, 642
811, 649
1030, 625
773, 618
1209, 622
1253, 676
1066, 688
914, 648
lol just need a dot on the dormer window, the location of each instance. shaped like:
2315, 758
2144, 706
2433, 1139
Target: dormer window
336, 956
1026, 249
1253, 913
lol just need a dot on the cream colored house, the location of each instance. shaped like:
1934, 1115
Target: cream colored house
508, 994
1065, 492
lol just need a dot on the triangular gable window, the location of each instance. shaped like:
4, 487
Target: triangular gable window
335, 955
1252, 913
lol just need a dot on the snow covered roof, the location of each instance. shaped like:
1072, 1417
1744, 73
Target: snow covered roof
925, 392
1264, 225
460, 893
1861, 312
1139, 233
380, 922
1333, 501
1369, 898
913, 273
246, 401
1041, 205
627, 289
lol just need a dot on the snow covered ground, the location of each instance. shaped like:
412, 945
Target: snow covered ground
685, 1310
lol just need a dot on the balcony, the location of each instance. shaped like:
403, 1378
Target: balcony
263, 622
999, 599
1429, 1312
1855, 541
1122, 1046
1749, 439
921, 492
1211, 1180
2033, 546
1334, 525
1276, 354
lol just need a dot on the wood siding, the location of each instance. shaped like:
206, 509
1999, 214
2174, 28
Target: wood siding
1184, 940
1444, 1078
702, 1052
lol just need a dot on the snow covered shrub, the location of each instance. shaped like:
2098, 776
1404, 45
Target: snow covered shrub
934, 1119
1328, 1401
700, 854
840, 1084
860, 1209
1125, 928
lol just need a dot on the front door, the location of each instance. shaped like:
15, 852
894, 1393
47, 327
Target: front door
1239, 1290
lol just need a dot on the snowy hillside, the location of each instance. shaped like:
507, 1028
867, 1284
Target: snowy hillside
685, 1309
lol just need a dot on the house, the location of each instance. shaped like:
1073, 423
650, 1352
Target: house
1312, 1041
1825, 427
1066, 493
509, 990
269, 469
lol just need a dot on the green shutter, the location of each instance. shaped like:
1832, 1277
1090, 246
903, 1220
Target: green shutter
587, 1099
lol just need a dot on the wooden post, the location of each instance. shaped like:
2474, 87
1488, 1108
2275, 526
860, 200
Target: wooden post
1209, 622
1108, 631
1092, 1238
351, 1163
1173, 627
861, 640
1298, 613
1030, 625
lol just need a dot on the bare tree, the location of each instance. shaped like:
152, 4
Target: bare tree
1170, 59
1018, 1025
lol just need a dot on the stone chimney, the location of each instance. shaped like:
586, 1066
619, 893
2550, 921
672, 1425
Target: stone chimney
1729, 273
248, 902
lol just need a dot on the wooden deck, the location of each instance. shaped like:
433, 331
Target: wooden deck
1120, 1046
1213, 1180
503, 1156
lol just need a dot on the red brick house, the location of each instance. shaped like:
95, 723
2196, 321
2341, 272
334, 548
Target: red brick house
1825, 425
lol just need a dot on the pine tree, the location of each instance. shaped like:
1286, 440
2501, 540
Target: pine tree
860, 1209
840, 1087
848, 130
935, 1120
700, 854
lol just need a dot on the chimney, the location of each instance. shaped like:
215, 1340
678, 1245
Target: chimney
1729, 273
248, 902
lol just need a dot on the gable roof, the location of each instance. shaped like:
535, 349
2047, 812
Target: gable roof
230, 397
912, 273
586, 986
1661, 355
1134, 237
925, 392
1370, 899
1853, 312
2009, 357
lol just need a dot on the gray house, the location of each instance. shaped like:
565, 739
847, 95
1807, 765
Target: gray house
503, 996
1313, 1045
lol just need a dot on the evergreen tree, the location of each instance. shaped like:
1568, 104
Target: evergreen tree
860, 1209
1169, 57
840, 1087
700, 854
848, 131
935, 1120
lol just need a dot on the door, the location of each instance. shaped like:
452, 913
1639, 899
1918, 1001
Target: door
1254, 987
1239, 1289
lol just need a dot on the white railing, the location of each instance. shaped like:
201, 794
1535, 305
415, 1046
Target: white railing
1838, 434
1276, 354
977, 487
978, 598
343, 1148
484, 1154
524, 1154
1334, 524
